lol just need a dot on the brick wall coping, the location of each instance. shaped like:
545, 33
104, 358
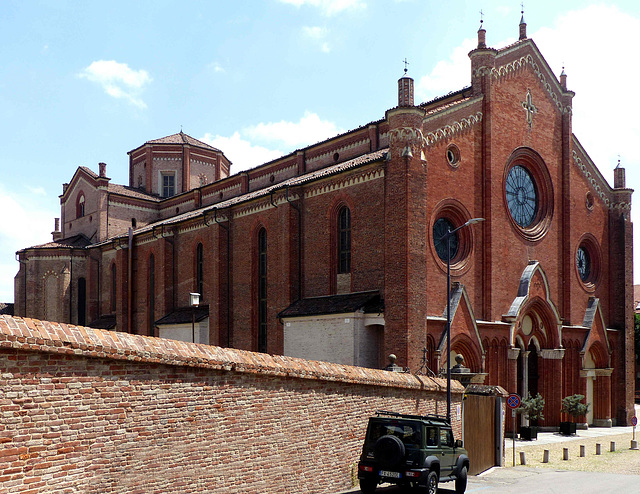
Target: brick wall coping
51, 337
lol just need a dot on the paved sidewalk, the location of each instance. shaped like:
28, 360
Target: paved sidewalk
556, 437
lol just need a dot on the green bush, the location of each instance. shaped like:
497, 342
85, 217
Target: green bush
573, 406
532, 407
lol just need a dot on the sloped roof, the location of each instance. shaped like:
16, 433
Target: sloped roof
77, 241
336, 304
184, 315
182, 138
104, 322
133, 192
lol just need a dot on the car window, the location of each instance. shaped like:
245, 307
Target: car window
446, 437
409, 433
432, 437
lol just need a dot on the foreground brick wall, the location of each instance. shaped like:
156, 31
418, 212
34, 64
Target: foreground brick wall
84, 410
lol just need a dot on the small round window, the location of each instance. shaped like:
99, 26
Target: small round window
442, 239
522, 197
453, 155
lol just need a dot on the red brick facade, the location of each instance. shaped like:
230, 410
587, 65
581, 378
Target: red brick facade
94, 411
544, 300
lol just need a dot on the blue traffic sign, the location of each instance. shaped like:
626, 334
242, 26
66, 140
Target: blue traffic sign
513, 401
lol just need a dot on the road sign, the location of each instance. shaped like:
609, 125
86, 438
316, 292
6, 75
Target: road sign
634, 421
513, 400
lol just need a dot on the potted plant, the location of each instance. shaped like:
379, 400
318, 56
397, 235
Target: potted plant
531, 408
572, 406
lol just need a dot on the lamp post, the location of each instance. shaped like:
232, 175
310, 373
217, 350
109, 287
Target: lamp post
448, 236
194, 301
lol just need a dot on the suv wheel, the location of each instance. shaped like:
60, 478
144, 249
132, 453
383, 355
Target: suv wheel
368, 486
461, 481
389, 451
432, 483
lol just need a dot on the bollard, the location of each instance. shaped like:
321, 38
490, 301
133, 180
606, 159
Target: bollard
565, 453
545, 456
613, 446
582, 451
523, 460
597, 448
634, 444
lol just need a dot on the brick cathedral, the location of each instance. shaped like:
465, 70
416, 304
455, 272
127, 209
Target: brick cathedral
339, 251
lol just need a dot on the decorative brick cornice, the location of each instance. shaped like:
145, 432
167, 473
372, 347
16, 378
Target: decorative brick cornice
512, 67
341, 183
340, 149
595, 181
67, 339
451, 130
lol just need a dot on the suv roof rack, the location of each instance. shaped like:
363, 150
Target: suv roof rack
407, 416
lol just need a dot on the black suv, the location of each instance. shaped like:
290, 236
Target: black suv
412, 451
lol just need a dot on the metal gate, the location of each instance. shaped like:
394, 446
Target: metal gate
480, 431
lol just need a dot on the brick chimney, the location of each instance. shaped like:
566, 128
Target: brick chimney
103, 169
56, 233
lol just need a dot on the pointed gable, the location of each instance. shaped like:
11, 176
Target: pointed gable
465, 336
534, 292
596, 341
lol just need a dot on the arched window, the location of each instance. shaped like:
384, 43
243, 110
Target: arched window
152, 295
199, 271
80, 206
114, 288
344, 240
262, 290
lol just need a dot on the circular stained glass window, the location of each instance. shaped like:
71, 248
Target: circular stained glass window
522, 197
441, 227
583, 262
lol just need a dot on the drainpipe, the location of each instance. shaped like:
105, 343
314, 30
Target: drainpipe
297, 208
215, 217
130, 283
71, 285
272, 203
98, 261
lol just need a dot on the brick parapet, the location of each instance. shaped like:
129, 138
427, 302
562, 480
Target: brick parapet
50, 337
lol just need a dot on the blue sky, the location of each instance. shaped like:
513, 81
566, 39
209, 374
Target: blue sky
84, 81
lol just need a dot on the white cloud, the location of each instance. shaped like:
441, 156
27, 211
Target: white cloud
216, 67
308, 130
329, 7
447, 75
118, 80
318, 35
242, 153
28, 224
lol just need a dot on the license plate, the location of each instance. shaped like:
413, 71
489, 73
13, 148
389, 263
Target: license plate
394, 475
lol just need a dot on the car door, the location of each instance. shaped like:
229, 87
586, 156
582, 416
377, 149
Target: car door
447, 453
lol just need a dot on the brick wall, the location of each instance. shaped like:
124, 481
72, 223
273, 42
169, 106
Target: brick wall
85, 410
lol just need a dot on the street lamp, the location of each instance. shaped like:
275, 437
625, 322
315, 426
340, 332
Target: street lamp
194, 301
448, 236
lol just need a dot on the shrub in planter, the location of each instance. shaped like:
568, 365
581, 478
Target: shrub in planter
572, 406
531, 408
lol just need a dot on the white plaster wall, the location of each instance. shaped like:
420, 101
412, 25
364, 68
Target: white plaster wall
183, 332
341, 339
